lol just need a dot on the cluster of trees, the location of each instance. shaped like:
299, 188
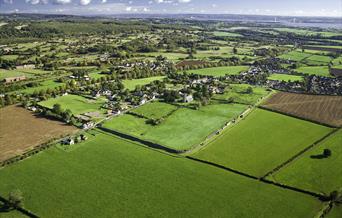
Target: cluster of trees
59, 113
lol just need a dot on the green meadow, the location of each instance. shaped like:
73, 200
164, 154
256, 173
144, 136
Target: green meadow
112, 177
285, 77
77, 104
182, 129
313, 172
219, 71
238, 93
319, 71
155, 110
131, 84
261, 141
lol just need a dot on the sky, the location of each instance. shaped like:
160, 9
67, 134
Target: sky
330, 8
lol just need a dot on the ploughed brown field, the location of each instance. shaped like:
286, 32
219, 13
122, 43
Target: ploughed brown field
21, 130
322, 109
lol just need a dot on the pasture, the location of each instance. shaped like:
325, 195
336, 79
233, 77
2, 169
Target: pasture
21, 130
318, 108
226, 34
155, 110
131, 84
77, 104
314, 172
295, 56
12, 73
109, 176
261, 141
182, 129
285, 77
219, 71
238, 93
319, 71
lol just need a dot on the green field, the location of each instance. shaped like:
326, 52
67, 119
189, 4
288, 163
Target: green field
335, 212
77, 104
110, 177
220, 33
262, 141
318, 60
285, 77
47, 84
319, 71
239, 95
131, 84
319, 175
295, 56
155, 110
219, 71
9, 57
181, 130
12, 73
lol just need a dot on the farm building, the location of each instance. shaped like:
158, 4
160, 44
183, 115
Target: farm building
14, 79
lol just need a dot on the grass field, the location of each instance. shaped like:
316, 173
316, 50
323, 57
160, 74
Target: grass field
318, 60
295, 56
155, 110
319, 71
21, 130
220, 33
112, 177
317, 174
77, 104
262, 141
131, 84
239, 94
12, 73
181, 130
335, 212
319, 108
285, 77
219, 71
47, 84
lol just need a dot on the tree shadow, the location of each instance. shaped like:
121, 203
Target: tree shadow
4, 208
318, 156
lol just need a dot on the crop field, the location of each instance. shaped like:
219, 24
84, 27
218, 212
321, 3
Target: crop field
21, 130
238, 92
314, 172
220, 71
129, 180
285, 77
155, 110
319, 71
182, 129
323, 109
261, 142
131, 84
77, 104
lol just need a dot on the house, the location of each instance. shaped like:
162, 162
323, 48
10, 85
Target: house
188, 98
143, 101
88, 125
69, 141
14, 79
25, 66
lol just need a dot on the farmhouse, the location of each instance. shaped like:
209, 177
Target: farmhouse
188, 98
25, 66
14, 79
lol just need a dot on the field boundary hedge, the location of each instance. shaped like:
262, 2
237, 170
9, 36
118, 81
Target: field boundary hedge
297, 117
263, 180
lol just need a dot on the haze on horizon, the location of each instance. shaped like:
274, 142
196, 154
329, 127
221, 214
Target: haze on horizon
328, 8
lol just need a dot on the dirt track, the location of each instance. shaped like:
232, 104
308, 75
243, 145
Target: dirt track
21, 130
